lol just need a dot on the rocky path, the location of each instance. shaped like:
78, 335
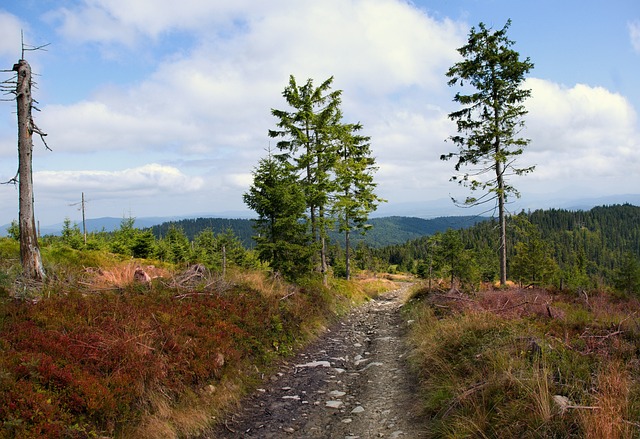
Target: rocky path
351, 383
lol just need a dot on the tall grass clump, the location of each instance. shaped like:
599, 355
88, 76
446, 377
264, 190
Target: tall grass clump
526, 363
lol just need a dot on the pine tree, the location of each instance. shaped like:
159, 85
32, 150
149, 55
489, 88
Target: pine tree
627, 276
278, 199
532, 262
308, 136
355, 197
490, 120
177, 244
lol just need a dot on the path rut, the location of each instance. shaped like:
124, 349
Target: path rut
353, 382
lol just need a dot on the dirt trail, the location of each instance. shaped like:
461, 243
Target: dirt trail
351, 383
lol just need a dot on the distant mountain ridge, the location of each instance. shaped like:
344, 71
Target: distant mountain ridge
384, 231
430, 210
399, 229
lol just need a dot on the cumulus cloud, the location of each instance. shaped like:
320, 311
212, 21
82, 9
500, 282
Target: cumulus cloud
634, 34
580, 115
217, 96
578, 134
89, 126
145, 181
125, 22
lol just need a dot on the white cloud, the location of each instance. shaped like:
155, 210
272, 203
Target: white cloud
580, 115
215, 100
145, 181
126, 22
90, 126
10, 27
579, 134
368, 39
147, 190
634, 34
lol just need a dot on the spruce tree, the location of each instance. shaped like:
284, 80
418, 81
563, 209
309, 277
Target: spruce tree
355, 198
307, 134
490, 120
278, 199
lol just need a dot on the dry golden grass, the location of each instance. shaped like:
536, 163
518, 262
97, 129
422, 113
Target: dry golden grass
261, 281
611, 400
120, 274
165, 420
373, 286
507, 360
516, 302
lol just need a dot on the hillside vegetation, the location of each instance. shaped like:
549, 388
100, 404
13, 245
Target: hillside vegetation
383, 232
527, 363
592, 250
93, 353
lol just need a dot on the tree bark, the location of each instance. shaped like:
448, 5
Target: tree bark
347, 251
503, 226
324, 268
29, 250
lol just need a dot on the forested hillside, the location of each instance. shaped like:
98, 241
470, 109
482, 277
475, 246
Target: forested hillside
399, 229
242, 228
588, 248
383, 232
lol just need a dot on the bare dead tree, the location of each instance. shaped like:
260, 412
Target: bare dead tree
29, 250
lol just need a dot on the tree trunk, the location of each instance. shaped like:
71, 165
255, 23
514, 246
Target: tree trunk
503, 226
224, 261
324, 268
29, 250
347, 252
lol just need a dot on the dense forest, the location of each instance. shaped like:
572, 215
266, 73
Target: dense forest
594, 249
383, 232
584, 249
400, 229
241, 228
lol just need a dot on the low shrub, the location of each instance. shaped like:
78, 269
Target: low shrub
101, 355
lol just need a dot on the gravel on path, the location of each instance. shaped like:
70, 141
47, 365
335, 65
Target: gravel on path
351, 383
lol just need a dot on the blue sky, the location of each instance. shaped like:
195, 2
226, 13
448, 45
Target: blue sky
154, 109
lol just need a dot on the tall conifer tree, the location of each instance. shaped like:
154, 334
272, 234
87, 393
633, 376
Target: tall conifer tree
490, 120
355, 198
307, 132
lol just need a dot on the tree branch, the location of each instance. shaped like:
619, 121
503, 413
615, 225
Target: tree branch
14, 180
38, 131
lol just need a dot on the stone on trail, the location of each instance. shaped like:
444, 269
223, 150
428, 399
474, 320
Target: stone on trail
358, 409
375, 363
334, 404
315, 364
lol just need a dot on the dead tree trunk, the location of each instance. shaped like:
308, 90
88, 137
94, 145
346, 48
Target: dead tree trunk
29, 250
